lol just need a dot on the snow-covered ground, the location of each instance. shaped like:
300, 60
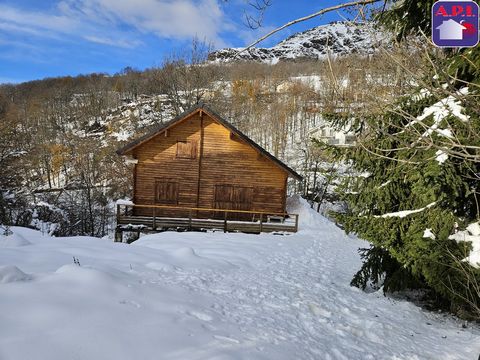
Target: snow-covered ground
209, 296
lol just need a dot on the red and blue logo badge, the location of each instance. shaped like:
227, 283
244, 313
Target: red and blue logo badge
455, 23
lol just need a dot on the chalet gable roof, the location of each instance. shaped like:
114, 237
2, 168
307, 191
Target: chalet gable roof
202, 107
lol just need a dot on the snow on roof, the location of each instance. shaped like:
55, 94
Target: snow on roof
124, 202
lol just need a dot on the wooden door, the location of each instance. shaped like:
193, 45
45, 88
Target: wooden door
242, 198
230, 197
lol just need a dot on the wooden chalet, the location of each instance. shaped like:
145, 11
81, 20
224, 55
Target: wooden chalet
199, 171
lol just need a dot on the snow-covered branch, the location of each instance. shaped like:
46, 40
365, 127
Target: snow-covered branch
308, 17
403, 213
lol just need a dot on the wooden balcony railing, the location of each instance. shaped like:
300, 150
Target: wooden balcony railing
156, 217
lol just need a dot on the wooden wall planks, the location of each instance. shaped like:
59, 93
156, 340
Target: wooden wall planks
225, 160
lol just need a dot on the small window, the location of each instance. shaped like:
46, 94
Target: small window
350, 139
166, 192
187, 149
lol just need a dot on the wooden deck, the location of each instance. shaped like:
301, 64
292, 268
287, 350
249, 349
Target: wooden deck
198, 219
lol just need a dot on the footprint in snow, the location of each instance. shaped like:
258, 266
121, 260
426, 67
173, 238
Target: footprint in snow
131, 303
207, 326
226, 339
200, 315
318, 311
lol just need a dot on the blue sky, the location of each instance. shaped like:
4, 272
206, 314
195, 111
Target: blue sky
48, 38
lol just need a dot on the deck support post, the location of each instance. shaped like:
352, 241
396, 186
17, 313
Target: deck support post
154, 225
190, 220
118, 213
296, 222
225, 222
261, 222
118, 235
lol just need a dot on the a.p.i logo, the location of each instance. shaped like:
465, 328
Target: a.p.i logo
455, 23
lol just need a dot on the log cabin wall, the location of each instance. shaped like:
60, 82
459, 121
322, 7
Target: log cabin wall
159, 164
200, 163
229, 161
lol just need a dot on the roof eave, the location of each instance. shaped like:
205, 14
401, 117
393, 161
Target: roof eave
137, 142
292, 173
128, 148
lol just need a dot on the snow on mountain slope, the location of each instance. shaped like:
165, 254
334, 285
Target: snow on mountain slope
209, 296
337, 38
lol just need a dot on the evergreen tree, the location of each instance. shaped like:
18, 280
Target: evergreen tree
420, 182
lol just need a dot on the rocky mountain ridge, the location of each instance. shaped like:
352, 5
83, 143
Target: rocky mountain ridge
336, 38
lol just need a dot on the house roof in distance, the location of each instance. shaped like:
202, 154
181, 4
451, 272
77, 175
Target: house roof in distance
202, 107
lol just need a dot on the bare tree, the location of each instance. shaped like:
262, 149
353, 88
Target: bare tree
186, 78
255, 21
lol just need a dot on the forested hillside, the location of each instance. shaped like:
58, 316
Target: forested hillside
60, 135
407, 173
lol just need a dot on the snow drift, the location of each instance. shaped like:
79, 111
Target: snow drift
209, 296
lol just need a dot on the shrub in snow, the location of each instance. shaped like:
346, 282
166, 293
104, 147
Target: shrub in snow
48, 218
6, 230
76, 261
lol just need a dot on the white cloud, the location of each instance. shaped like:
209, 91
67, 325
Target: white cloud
14, 28
120, 23
58, 22
174, 19
113, 42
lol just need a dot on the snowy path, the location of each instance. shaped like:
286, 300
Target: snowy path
208, 296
